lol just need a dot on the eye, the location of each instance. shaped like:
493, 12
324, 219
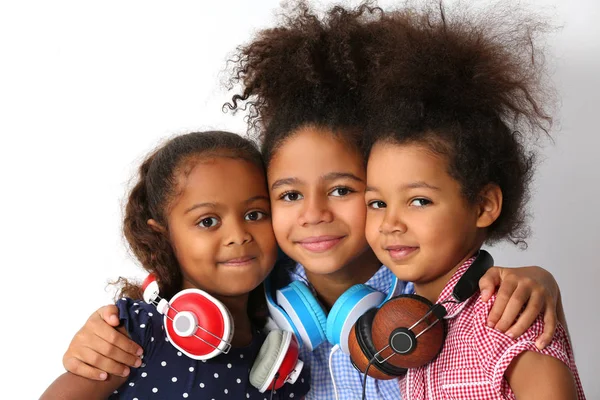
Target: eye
291, 196
209, 222
255, 216
341, 191
376, 204
420, 202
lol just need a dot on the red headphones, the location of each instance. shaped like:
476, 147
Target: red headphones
201, 327
404, 332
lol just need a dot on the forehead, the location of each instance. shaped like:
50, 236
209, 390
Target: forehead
313, 152
406, 162
220, 178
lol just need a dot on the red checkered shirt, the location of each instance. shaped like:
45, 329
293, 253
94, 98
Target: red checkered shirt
474, 357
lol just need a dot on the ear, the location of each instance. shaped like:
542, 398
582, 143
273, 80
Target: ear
490, 205
155, 226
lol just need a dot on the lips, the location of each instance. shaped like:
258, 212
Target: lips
320, 244
400, 252
239, 261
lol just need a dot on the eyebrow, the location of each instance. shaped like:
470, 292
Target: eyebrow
285, 181
200, 205
327, 177
412, 185
254, 198
214, 205
337, 175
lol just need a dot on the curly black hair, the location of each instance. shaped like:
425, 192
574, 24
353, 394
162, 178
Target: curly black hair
471, 86
307, 71
468, 83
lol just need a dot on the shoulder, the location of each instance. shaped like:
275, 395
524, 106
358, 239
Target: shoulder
141, 320
137, 310
496, 350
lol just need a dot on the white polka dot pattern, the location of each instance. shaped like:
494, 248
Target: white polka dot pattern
168, 373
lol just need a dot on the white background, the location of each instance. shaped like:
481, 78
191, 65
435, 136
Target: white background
87, 88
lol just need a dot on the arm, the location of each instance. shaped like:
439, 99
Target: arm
72, 387
534, 375
530, 372
526, 291
98, 348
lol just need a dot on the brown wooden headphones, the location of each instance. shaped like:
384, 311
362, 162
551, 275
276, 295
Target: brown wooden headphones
404, 332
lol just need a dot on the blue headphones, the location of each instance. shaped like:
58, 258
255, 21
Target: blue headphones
295, 309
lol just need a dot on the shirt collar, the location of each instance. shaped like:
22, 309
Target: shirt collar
379, 281
454, 309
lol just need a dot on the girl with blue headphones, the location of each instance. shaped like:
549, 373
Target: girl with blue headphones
302, 86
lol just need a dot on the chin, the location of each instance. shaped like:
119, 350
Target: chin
324, 267
404, 272
235, 291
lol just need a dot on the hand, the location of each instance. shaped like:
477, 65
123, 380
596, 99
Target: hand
99, 348
533, 287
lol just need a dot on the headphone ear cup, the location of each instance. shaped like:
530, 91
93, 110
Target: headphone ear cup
402, 312
362, 350
306, 313
352, 304
204, 311
277, 362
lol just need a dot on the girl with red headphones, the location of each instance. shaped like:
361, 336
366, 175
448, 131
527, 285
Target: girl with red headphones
448, 170
199, 222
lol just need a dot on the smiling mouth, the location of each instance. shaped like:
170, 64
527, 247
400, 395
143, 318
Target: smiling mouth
399, 253
320, 244
238, 262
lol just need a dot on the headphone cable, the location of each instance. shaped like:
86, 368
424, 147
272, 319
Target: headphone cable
333, 350
364, 393
274, 384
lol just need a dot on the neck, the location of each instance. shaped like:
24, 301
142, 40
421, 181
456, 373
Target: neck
238, 308
432, 289
330, 287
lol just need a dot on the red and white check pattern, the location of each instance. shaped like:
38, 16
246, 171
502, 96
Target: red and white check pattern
475, 357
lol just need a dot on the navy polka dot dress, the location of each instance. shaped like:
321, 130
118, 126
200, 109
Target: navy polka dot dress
166, 373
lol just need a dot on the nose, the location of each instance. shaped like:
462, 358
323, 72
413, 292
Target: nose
392, 223
315, 210
237, 234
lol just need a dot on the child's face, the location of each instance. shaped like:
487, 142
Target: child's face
220, 226
316, 185
418, 222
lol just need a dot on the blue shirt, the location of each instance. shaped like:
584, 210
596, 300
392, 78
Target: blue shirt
348, 380
166, 373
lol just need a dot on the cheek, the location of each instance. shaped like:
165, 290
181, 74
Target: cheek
372, 228
193, 250
266, 240
447, 226
354, 214
282, 221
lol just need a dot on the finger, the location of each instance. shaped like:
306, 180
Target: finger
517, 301
550, 322
534, 306
92, 350
110, 351
98, 360
489, 282
77, 367
99, 328
110, 314
505, 291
